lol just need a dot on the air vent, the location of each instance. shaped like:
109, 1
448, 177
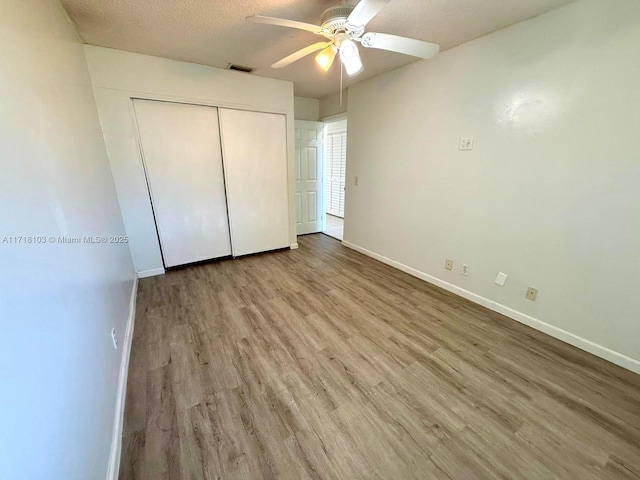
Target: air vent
240, 68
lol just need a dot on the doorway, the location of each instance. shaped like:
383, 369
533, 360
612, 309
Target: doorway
321, 168
335, 171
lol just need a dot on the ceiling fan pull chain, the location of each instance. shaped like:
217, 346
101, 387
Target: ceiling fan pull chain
341, 68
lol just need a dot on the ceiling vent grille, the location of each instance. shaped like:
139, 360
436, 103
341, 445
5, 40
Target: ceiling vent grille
239, 68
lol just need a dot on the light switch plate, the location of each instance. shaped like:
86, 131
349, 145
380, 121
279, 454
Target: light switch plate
501, 278
466, 143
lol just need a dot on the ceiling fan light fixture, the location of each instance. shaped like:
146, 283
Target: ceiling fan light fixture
354, 67
343, 25
325, 57
350, 57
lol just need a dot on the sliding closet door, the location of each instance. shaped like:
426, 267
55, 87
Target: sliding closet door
183, 162
255, 160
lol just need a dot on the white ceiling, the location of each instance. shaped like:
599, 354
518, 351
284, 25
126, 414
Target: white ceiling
214, 32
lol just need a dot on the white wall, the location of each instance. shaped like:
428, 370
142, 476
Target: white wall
58, 303
549, 195
306, 108
118, 76
330, 105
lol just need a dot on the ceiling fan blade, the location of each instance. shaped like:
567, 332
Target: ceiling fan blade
282, 22
394, 43
300, 54
365, 11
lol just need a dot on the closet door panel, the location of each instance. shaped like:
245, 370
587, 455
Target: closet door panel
183, 162
255, 162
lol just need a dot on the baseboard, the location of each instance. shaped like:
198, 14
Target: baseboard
567, 337
294, 246
151, 273
116, 440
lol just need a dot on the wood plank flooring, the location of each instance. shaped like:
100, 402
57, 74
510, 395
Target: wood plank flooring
321, 363
334, 226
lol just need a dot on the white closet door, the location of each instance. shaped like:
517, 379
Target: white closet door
255, 162
183, 162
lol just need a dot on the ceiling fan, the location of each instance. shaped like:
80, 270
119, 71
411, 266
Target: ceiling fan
344, 25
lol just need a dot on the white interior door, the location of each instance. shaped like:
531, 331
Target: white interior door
308, 177
255, 163
183, 162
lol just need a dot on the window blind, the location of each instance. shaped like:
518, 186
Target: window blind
336, 172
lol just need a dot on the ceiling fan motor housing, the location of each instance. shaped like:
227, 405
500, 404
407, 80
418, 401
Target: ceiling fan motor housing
334, 19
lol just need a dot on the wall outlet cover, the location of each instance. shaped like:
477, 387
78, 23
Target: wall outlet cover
501, 278
448, 264
465, 269
532, 294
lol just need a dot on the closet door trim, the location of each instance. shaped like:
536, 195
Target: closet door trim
205, 103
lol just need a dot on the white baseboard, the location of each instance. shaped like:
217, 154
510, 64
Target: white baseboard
294, 246
567, 337
151, 273
116, 440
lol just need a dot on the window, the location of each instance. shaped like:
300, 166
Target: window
336, 171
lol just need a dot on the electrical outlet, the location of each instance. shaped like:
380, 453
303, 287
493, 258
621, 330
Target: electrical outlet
466, 143
114, 338
448, 264
355, 181
532, 294
465, 269
501, 278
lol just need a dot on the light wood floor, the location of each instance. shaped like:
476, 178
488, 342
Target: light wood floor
334, 226
323, 363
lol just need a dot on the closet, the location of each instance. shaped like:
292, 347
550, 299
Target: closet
217, 179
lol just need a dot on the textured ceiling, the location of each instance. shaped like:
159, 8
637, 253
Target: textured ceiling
214, 32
